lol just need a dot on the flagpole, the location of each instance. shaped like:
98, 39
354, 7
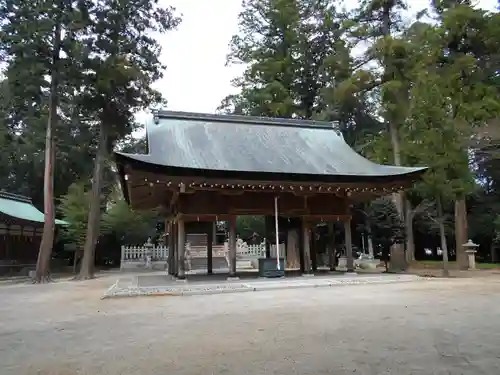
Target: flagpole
277, 232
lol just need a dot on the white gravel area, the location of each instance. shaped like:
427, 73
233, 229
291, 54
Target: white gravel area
429, 327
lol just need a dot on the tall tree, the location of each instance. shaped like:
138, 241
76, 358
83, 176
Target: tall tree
469, 43
268, 33
122, 61
450, 96
432, 139
37, 42
378, 22
290, 47
299, 65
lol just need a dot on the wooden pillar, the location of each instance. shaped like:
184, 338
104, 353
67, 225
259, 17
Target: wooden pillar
267, 224
181, 249
210, 241
331, 245
314, 248
293, 248
175, 269
348, 245
301, 244
171, 256
306, 246
232, 247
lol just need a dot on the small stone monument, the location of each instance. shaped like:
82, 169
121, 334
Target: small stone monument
149, 253
342, 265
471, 249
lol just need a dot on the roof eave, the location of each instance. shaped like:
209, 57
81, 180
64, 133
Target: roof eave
123, 158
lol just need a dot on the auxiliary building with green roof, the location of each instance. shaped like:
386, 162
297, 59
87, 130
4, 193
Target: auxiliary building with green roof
21, 227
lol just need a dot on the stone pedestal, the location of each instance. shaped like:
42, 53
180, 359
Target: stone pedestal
149, 253
342, 266
149, 263
471, 254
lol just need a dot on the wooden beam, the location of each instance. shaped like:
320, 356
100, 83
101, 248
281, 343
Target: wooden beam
173, 182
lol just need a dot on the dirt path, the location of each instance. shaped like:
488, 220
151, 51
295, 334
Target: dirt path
413, 328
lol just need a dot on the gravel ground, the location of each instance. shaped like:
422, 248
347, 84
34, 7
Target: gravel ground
428, 327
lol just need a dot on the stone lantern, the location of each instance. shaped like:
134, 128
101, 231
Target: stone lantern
471, 249
149, 253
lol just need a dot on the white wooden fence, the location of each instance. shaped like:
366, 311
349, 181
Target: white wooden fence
257, 251
136, 256
139, 253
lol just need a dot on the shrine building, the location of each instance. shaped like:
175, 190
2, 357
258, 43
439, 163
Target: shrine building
205, 168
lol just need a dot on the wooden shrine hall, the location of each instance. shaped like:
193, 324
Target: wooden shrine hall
21, 227
207, 168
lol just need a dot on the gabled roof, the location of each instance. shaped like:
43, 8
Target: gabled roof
242, 144
20, 207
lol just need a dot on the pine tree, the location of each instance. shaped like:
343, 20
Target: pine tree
121, 62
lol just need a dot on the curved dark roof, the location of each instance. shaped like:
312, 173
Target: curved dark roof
252, 144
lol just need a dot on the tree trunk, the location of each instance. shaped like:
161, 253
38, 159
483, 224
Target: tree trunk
386, 260
461, 233
442, 234
493, 253
410, 238
398, 262
93, 223
42, 273
371, 251
75, 260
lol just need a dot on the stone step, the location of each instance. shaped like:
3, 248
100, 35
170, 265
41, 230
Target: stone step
244, 264
201, 263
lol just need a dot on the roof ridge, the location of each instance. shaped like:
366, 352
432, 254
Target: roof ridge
15, 197
242, 119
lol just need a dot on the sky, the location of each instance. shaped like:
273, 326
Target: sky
196, 79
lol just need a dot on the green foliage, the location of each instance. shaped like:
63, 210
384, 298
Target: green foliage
130, 226
26, 44
451, 95
107, 62
432, 139
121, 61
380, 23
383, 223
246, 226
74, 208
297, 62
